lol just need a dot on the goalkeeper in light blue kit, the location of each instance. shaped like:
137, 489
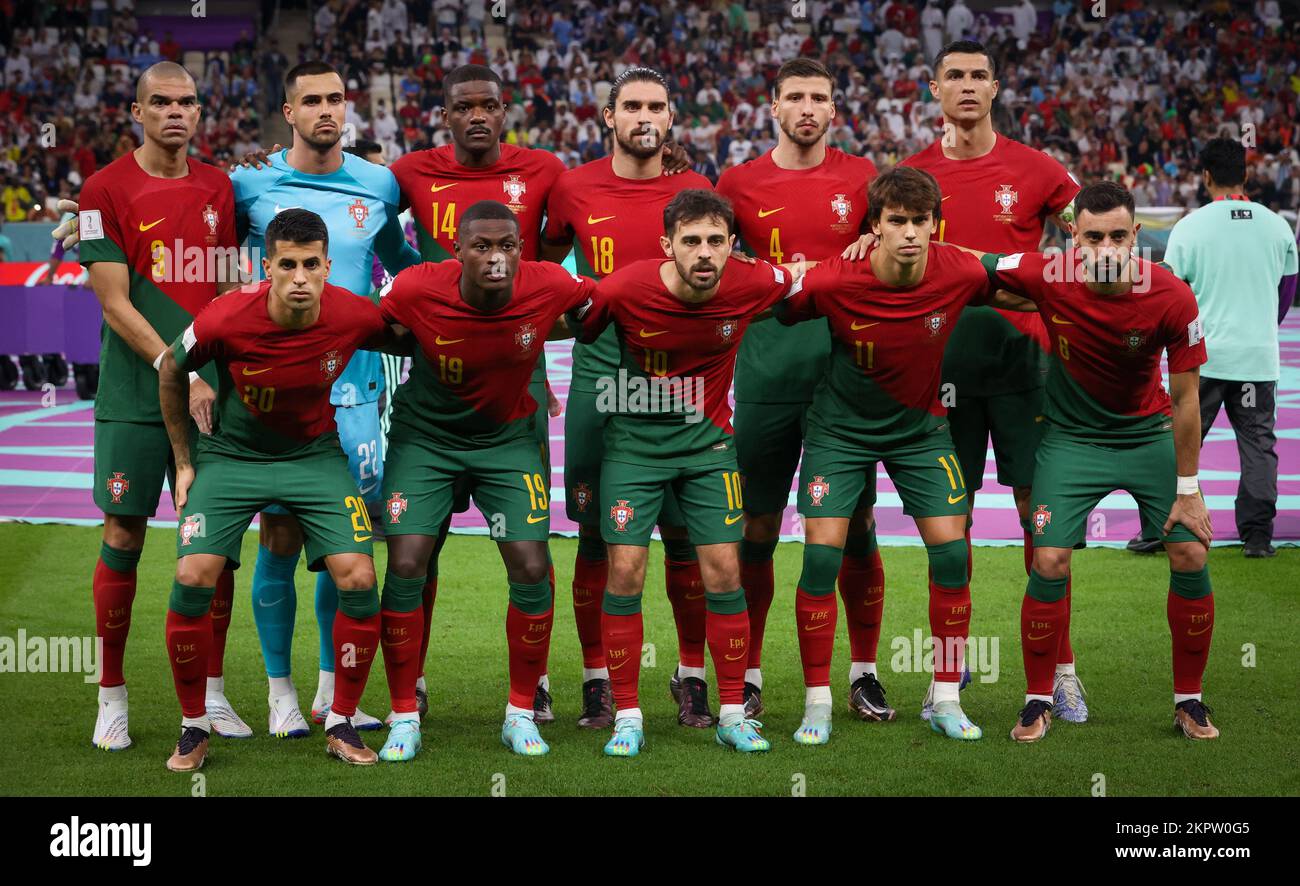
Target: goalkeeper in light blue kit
359, 202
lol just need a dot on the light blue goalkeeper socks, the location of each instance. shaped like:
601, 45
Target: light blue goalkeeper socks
327, 605
275, 601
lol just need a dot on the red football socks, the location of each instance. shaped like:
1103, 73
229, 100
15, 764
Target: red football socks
757, 580
815, 622
189, 642
222, 602
589, 580
686, 593
352, 665
528, 638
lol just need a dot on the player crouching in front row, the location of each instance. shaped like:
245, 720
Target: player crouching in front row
278, 344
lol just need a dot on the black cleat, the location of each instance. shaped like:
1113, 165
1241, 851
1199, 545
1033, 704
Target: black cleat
867, 700
542, 706
421, 701
1259, 551
597, 705
1140, 545
692, 697
753, 701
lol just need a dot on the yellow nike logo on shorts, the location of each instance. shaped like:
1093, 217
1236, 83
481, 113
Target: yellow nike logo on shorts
953, 501
730, 520
539, 519
356, 536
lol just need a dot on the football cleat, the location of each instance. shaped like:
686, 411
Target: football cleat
361, 721
421, 701
403, 742
191, 750
1035, 719
597, 705
744, 736
110, 727
816, 725
947, 718
285, 719
753, 701
519, 733
225, 722
867, 700
1193, 718
927, 706
628, 738
692, 697
542, 712
1067, 699
342, 741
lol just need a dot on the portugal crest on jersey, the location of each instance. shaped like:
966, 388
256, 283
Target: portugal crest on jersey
841, 206
331, 364
727, 329
621, 514
117, 486
1006, 197
210, 218
359, 212
935, 322
189, 529
1041, 517
526, 336
818, 489
396, 505
515, 187
1134, 340
582, 496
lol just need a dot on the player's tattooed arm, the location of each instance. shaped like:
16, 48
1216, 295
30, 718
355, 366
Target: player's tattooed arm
1189, 510
173, 397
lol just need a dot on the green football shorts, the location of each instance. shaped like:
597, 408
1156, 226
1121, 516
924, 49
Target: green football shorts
709, 498
131, 461
926, 473
1014, 421
1071, 478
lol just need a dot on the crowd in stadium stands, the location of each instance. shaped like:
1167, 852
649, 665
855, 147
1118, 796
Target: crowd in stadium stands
1134, 94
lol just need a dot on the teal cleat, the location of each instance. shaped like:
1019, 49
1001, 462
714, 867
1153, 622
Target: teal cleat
628, 738
403, 742
519, 733
949, 719
743, 736
816, 725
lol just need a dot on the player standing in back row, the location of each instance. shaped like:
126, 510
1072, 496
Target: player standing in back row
609, 211
998, 194
135, 215
802, 200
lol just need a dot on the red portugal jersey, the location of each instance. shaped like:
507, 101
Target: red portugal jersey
783, 215
997, 203
1103, 381
612, 222
882, 385
469, 381
172, 234
667, 401
273, 392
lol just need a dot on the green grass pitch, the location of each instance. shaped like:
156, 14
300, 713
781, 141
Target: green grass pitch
1120, 636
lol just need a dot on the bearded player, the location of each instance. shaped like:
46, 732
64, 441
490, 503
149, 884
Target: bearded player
278, 345
890, 316
803, 199
678, 323
466, 415
998, 195
136, 217
1111, 425
608, 210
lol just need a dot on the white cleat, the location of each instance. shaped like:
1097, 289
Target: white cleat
110, 726
225, 722
361, 721
286, 720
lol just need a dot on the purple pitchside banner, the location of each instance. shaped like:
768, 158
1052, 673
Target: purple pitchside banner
209, 32
50, 320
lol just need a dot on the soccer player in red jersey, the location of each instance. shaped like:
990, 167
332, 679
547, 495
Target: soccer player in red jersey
998, 195
608, 210
278, 345
803, 199
1111, 425
466, 415
140, 220
890, 318
677, 324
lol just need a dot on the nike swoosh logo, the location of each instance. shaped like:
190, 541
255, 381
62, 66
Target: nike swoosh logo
1044, 637
1061, 321
619, 665
439, 340
279, 209
247, 371
734, 657
960, 621
944, 198
815, 627
539, 519
265, 604
437, 188
186, 660
730, 520
694, 597
953, 501
366, 490
596, 221
533, 642
114, 626
356, 536
215, 617
856, 326
391, 645
576, 604
144, 227
645, 334
1192, 633
764, 213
